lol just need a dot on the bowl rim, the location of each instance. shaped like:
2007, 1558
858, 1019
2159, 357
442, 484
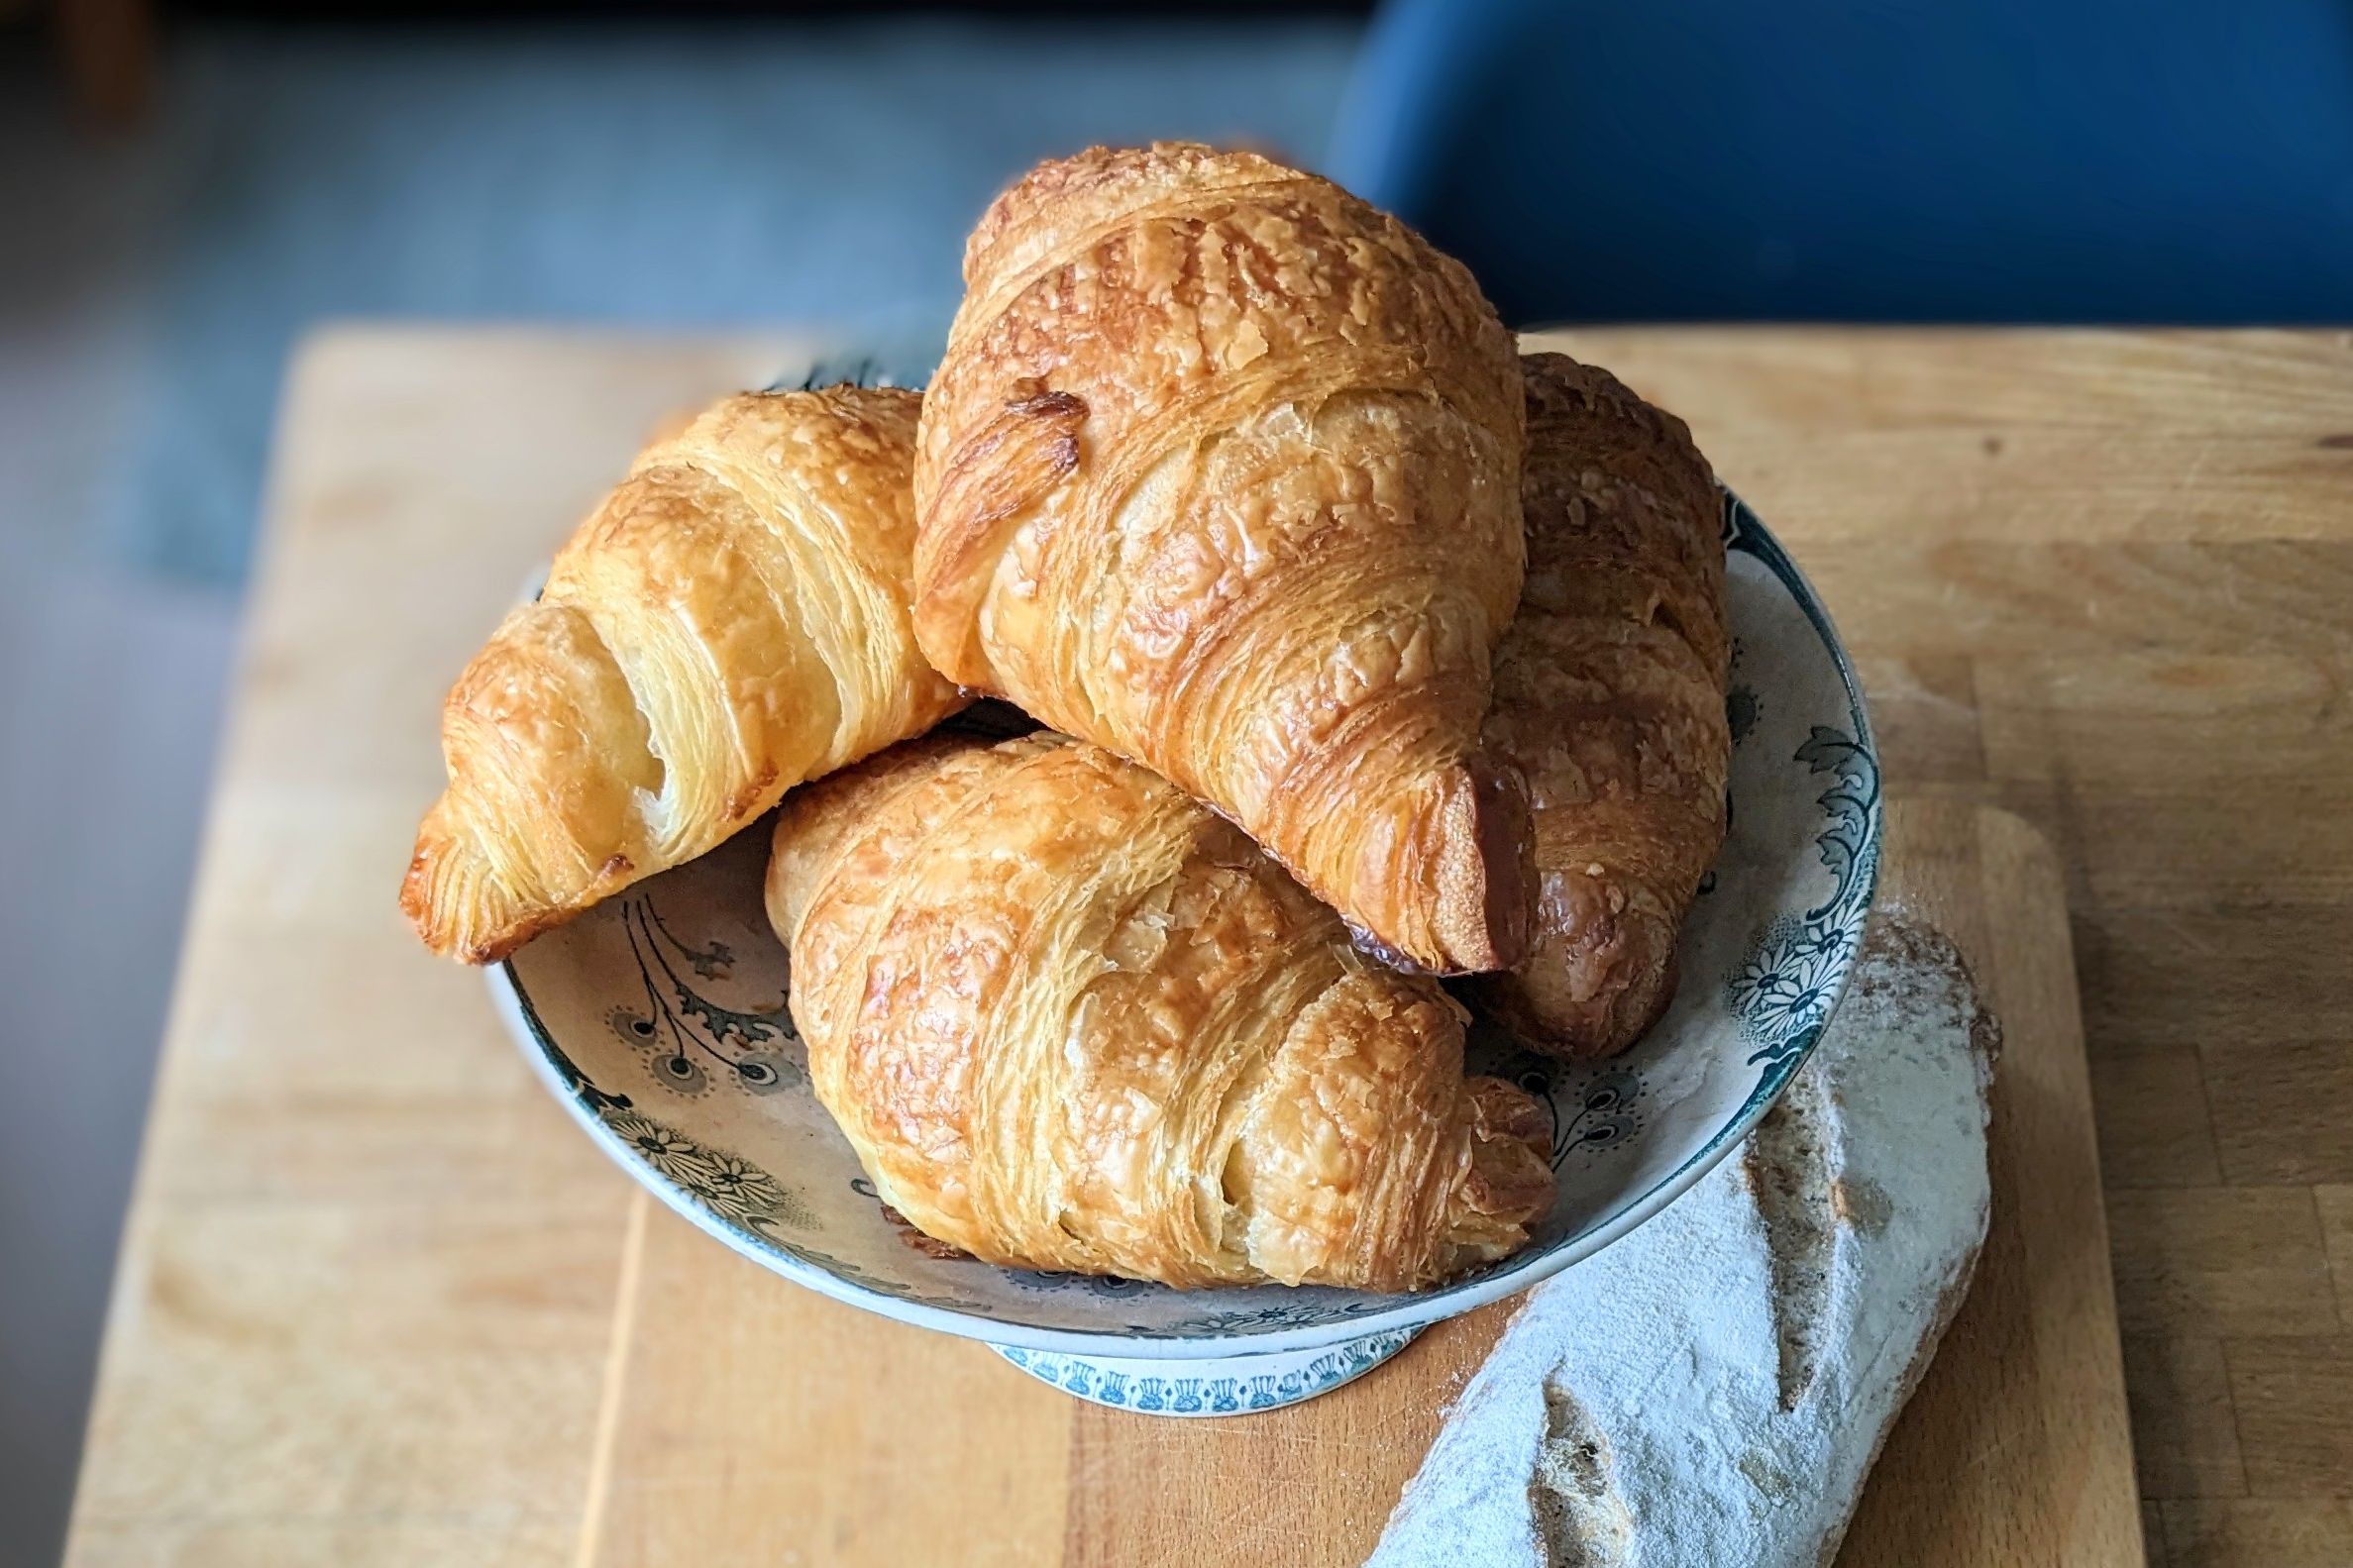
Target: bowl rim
1746, 531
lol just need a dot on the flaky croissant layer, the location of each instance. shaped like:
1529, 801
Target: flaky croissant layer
1220, 471
730, 620
1609, 694
1070, 1019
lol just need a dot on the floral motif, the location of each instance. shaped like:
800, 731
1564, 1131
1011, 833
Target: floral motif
1742, 709
1105, 1287
666, 1150
1605, 1116
1783, 993
632, 1027
765, 1071
727, 1185
1283, 1314
1786, 982
755, 1051
1600, 1114
741, 1190
1227, 1390
680, 1074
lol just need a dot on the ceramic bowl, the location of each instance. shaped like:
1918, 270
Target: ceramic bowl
659, 1021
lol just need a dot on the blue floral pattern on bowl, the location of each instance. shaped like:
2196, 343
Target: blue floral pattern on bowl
660, 1020
1242, 1385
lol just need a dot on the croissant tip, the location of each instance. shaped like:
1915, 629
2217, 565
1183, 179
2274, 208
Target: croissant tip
426, 907
1588, 998
1502, 1110
1507, 1181
1485, 896
416, 899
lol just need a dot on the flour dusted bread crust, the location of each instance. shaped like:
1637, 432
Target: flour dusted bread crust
1609, 695
1715, 1388
732, 620
1070, 1019
1221, 470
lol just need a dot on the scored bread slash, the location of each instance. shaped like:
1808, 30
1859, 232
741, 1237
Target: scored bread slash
1715, 1386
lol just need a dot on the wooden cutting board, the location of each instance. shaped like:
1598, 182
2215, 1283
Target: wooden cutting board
745, 1421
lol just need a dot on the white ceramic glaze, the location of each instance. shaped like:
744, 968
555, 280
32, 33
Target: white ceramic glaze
659, 1021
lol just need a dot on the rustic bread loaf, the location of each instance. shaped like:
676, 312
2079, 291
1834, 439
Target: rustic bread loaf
1715, 1388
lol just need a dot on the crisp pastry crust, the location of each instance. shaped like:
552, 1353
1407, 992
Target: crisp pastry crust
1071, 1019
1609, 695
1221, 470
730, 620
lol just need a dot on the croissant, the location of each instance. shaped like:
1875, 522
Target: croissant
729, 621
1070, 1019
1221, 470
1609, 695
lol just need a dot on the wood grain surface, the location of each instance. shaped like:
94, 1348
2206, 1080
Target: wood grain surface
379, 1303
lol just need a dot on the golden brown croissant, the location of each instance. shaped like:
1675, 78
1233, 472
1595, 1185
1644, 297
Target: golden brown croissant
1070, 1019
1221, 470
1609, 694
732, 620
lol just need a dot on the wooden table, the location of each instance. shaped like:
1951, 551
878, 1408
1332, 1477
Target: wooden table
378, 1303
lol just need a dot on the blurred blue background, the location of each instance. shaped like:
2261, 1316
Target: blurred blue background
186, 191
1950, 161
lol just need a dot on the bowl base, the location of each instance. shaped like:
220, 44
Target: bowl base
1228, 1385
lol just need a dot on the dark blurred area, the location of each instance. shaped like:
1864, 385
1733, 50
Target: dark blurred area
1995, 160
190, 187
